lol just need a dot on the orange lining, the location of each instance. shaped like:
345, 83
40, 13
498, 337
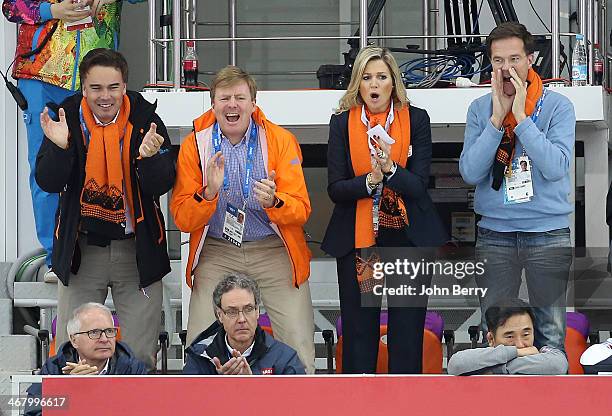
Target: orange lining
161, 229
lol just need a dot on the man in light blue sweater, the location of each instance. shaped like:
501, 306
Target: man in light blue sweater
524, 222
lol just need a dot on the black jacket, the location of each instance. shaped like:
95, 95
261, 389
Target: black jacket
344, 188
122, 362
267, 357
63, 171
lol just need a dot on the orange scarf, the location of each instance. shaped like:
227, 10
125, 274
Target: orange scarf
505, 151
107, 167
362, 164
380, 118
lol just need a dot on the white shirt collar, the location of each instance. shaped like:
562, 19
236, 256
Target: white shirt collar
105, 369
245, 354
364, 118
99, 123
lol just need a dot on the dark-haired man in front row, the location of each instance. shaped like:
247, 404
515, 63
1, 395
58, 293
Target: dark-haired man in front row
108, 156
235, 344
511, 349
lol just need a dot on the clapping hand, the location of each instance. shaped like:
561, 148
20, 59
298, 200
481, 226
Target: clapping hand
215, 171
265, 189
151, 143
237, 365
383, 156
56, 131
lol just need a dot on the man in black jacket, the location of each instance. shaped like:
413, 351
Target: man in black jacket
92, 350
109, 157
236, 344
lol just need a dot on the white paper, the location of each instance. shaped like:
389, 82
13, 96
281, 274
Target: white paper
379, 131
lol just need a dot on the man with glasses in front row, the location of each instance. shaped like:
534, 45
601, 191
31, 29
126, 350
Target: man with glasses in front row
235, 344
93, 349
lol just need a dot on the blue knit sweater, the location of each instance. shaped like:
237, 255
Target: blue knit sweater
549, 143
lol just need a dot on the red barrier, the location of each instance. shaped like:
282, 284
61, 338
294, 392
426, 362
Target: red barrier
327, 395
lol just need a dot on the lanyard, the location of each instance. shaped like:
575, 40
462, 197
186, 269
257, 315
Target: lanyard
376, 209
538, 109
536, 113
86, 133
251, 147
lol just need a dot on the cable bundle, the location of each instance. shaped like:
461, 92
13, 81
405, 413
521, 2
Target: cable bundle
428, 71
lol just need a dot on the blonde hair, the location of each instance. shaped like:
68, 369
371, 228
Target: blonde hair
229, 76
351, 97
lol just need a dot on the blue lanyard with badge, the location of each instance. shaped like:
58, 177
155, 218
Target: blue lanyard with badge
518, 181
377, 195
235, 218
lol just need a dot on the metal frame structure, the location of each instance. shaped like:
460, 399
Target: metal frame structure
593, 12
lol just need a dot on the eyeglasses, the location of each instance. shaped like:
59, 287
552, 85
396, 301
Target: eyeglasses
97, 333
233, 313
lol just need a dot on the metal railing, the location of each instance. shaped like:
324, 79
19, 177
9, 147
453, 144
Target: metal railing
592, 22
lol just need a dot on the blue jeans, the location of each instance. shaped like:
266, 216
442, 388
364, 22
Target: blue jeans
546, 258
38, 94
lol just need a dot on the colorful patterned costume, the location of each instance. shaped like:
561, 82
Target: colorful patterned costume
57, 63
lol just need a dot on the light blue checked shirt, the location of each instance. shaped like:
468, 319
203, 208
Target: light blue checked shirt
257, 224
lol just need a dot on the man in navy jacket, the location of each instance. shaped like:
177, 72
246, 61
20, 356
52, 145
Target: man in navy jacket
236, 344
92, 350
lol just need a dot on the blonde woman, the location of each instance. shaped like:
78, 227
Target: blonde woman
381, 200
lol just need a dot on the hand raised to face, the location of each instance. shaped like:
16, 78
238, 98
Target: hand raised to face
518, 105
502, 103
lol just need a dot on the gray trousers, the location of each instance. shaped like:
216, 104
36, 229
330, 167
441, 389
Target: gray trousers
114, 266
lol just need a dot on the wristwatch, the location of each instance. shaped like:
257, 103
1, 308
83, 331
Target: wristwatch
391, 171
371, 185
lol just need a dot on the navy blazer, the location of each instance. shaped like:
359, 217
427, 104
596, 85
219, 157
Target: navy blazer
344, 188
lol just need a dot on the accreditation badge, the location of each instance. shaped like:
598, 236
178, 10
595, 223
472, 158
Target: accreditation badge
233, 225
518, 184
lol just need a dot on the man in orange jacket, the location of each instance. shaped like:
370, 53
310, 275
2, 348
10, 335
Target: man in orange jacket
240, 193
